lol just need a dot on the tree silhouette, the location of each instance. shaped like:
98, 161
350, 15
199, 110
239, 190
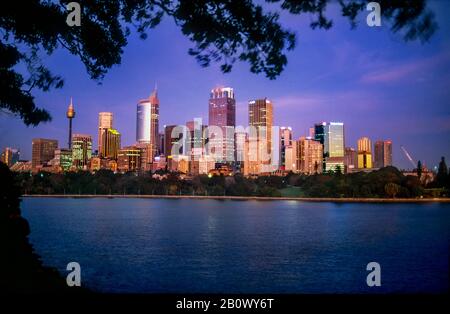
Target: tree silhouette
441, 177
21, 269
419, 169
392, 189
222, 31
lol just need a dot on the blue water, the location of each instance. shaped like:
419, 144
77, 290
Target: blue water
169, 245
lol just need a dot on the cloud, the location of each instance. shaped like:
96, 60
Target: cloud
412, 69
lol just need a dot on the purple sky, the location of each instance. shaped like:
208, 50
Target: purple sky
368, 78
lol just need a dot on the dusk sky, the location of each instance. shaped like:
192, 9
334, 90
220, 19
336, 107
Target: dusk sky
368, 78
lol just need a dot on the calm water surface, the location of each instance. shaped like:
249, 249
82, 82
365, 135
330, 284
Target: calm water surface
170, 245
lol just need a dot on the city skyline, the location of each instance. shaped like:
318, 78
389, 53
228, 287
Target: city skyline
371, 80
330, 147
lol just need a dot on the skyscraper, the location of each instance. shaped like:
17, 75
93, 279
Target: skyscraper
290, 157
195, 144
70, 115
285, 140
10, 156
364, 153
129, 159
222, 114
63, 159
319, 132
110, 143
105, 122
81, 150
350, 159
331, 135
260, 116
309, 155
383, 154
161, 143
43, 150
174, 143
147, 121
334, 146
240, 139
196, 139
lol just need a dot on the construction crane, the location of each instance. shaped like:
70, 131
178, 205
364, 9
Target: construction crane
408, 156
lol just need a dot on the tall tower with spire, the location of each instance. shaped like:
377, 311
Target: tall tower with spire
70, 115
147, 121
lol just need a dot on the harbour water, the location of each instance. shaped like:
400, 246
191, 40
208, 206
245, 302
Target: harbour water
189, 245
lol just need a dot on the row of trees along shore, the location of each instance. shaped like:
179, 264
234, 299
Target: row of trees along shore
383, 183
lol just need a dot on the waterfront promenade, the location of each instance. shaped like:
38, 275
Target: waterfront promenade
243, 198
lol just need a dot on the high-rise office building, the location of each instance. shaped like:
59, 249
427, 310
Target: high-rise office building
350, 159
63, 159
147, 121
43, 150
176, 144
383, 154
251, 164
147, 156
222, 114
10, 156
129, 158
70, 114
260, 116
81, 150
319, 132
285, 140
110, 143
290, 157
309, 155
173, 140
196, 139
105, 122
161, 141
334, 146
240, 139
331, 136
364, 153
195, 144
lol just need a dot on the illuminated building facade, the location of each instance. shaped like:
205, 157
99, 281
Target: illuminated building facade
105, 122
222, 114
260, 116
128, 159
63, 158
285, 141
290, 157
350, 159
364, 153
331, 136
147, 122
81, 150
43, 150
110, 143
383, 154
10, 156
309, 156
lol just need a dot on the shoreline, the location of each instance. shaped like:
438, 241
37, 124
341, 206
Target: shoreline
242, 198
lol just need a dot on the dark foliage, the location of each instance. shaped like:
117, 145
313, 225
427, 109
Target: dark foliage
21, 270
322, 185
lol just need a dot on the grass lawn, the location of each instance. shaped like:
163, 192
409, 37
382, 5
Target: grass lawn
292, 191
